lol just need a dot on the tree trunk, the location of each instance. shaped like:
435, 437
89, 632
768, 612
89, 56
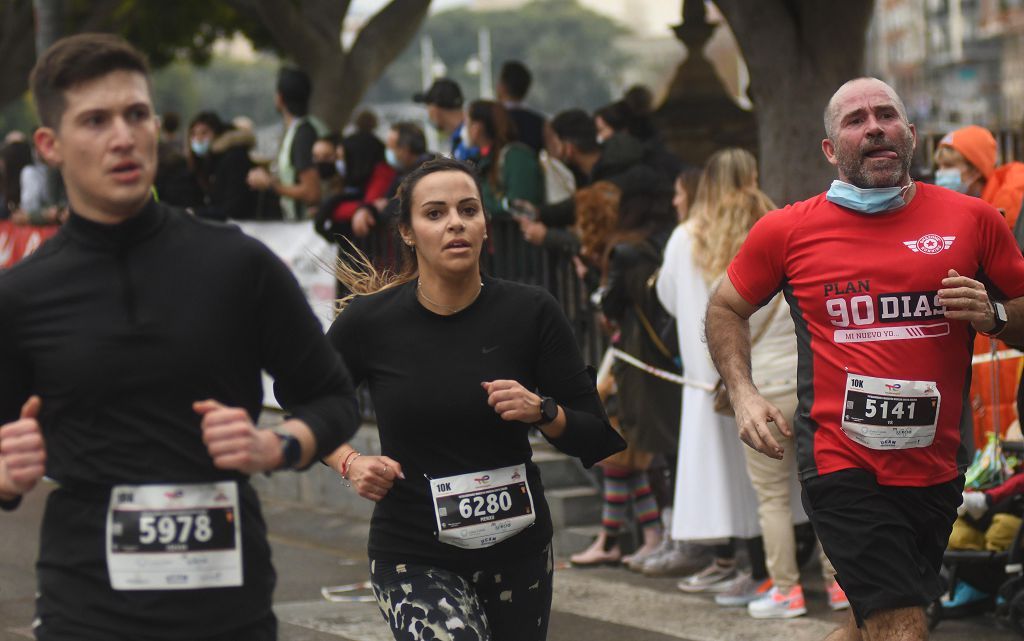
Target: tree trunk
17, 50
310, 33
49, 20
798, 53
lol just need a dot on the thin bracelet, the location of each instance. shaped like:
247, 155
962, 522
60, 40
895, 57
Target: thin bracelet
345, 465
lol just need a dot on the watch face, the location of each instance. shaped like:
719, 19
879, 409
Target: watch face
548, 409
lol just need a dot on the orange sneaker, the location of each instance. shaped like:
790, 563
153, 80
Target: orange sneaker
779, 605
836, 597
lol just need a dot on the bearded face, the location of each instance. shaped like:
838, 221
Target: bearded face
869, 139
880, 160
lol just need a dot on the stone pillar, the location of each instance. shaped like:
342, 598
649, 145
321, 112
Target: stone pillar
698, 116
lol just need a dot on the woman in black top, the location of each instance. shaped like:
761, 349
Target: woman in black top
460, 541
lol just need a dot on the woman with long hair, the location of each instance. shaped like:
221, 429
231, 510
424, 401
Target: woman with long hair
719, 488
647, 405
460, 366
509, 170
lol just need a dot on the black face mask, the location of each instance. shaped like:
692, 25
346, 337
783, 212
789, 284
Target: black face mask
326, 170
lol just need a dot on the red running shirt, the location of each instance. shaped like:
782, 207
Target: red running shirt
863, 293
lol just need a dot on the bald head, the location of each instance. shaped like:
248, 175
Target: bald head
855, 86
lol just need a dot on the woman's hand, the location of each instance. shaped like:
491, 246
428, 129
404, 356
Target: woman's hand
373, 476
512, 401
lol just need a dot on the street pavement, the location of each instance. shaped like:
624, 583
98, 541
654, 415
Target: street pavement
318, 548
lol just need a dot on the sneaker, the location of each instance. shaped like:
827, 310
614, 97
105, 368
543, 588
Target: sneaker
779, 605
636, 561
836, 597
677, 560
743, 591
713, 578
964, 594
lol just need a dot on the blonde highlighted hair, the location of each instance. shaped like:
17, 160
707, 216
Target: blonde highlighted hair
727, 205
360, 276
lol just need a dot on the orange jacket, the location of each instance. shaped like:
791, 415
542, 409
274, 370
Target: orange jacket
1005, 190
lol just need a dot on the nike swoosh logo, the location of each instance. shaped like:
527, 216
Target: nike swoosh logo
488, 350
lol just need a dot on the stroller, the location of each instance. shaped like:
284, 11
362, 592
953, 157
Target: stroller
998, 574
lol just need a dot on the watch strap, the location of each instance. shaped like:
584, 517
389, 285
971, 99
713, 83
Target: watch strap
291, 450
1000, 318
548, 411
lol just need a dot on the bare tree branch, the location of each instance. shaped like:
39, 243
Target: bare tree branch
17, 49
324, 18
287, 28
397, 22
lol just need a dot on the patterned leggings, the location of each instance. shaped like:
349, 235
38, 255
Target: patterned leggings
426, 603
621, 485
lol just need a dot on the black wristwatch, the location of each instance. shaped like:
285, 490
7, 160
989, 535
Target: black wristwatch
1000, 317
548, 411
291, 450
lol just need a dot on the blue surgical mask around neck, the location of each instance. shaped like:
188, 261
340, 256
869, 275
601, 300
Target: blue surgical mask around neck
391, 158
339, 166
950, 178
867, 201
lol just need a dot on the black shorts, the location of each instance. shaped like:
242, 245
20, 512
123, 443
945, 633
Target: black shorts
56, 628
886, 542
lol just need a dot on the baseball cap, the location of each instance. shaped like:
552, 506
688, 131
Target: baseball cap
977, 146
444, 93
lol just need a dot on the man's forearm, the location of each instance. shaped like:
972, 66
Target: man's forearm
728, 336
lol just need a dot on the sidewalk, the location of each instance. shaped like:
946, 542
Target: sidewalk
325, 547
315, 512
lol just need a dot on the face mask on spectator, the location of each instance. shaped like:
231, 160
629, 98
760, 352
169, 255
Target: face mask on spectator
950, 178
200, 147
867, 201
325, 169
389, 156
339, 166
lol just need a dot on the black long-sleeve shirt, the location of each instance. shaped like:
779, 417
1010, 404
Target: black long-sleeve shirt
424, 373
119, 329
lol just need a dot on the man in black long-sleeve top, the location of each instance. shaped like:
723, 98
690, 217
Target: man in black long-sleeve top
130, 360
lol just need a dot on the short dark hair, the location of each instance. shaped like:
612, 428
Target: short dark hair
516, 79
616, 115
170, 121
211, 120
410, 137
365, 120
76, 59
295, 88
577, 127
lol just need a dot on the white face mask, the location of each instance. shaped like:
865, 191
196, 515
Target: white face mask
950, 178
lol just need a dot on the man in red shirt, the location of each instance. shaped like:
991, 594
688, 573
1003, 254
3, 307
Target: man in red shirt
888, 281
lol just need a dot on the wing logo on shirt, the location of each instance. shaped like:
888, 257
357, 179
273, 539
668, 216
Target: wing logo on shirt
930, 244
